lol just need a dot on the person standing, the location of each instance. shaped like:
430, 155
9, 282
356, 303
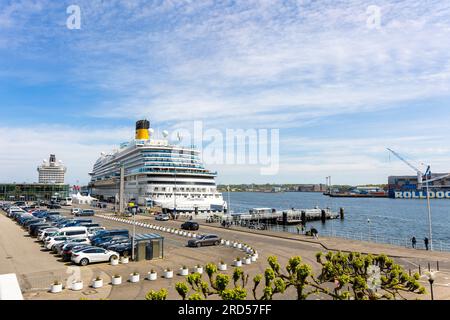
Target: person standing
298, 229
426, 241
414, 242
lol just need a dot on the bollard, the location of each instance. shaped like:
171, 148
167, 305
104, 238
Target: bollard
437, 265
429, 267
341, 212
420, 270
410, 272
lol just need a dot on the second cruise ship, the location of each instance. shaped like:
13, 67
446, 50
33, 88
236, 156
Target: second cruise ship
157, 173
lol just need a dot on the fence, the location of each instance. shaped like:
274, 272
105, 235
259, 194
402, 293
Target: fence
42, 280
406, 242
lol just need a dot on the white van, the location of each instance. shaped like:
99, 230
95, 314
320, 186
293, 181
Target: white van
66, 202
72, 232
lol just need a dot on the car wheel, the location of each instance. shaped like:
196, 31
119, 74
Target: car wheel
216, 243
199, 245
113, 257
84, 262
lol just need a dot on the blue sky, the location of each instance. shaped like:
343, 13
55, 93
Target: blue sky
338, 91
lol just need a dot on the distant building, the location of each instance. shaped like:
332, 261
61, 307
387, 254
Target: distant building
32, 191
51, 171
312, 188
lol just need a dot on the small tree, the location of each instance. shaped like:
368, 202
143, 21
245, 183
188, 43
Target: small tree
366, 277
351, 276
160, 295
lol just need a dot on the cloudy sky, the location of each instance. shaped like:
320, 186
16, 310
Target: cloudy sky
339, 87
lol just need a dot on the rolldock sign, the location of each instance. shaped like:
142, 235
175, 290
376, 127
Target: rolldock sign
422, 194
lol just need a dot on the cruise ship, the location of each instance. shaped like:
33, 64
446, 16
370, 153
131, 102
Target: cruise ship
157, 173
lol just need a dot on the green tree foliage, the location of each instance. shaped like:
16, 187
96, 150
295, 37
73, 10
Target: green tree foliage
352, 276
159, 295
365, 277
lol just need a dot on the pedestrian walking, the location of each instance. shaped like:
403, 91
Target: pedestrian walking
298, 229
414, 242
426, 241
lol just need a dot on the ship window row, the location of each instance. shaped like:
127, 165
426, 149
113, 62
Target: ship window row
157, 170
213, 190
162, 159
183, 183
165, 151
172, 165
185, 195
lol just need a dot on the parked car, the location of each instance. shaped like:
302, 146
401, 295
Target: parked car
74, 211
54, 206
89, 225
50, 242
59, 247
109, 233
124, 249
68, 248
34, 228
32, 221
190, 225
162, 217
109, 240
47, 233
92, 231
205, 240
113, 241
92, 255
85, 213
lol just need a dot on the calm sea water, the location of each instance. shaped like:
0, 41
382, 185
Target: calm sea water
389, 218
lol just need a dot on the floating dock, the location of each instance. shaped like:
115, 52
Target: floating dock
287, 217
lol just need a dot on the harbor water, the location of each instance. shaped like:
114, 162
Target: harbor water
393, 221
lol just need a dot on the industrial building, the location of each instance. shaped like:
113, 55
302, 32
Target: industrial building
409, 187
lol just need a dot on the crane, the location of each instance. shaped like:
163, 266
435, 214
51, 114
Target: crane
419, 173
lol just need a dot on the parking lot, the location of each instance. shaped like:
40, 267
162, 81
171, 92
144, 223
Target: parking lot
38, 268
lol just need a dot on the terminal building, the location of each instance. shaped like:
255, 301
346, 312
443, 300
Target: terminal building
52, 171
32, 191
51, 185
408, 187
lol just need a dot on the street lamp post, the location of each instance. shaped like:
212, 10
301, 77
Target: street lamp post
429, 207
431, 278
368, 222
134, 232
229, 201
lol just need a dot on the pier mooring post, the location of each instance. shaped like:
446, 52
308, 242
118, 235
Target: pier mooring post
341, 213
323, 216
303, 218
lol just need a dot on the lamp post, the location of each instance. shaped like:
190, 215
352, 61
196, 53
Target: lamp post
133, 210
431, 278
428, 172
368, 222
229, 201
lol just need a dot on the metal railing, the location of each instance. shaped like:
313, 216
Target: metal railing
438, 245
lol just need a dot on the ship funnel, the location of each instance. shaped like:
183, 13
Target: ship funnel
142, 130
